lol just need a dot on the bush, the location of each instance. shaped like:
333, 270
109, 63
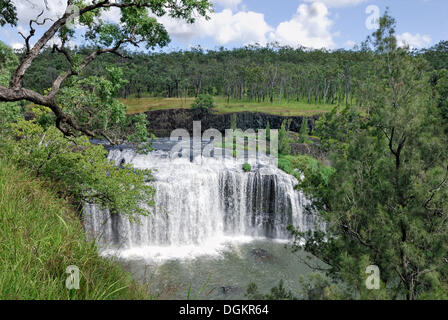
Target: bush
247, 167
303, 134
80, 169
233, 122
203, 104
284, 143
9, 111
268, 132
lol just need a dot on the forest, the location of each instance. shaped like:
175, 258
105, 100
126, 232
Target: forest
252, 73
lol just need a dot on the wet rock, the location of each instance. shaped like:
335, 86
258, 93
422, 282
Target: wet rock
226, 290
261, 255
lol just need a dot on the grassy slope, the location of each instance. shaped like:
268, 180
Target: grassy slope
39, 237
283, 108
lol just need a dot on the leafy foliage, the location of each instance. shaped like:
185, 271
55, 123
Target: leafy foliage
303, 134
137, 27
81, 170
268, 131
9, 111
92, 102
284, 142
385, 204
233, 121
440, 85
8, 13
247, 167
41, 235
203, 102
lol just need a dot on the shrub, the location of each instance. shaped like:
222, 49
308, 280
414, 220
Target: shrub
9, 111
247, 167
284, 144
268, 131
233, 122
203, 104
79, 168
303, 134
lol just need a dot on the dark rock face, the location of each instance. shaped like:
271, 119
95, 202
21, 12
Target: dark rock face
163, 122
307, 149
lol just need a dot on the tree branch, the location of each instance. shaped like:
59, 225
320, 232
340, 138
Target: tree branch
16, 92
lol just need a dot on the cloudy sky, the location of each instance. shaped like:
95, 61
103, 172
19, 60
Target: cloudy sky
311, 23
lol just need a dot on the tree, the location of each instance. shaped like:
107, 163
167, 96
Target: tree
202, 105
233, 121
8, 13
440, 84
284, 143
386, 202
268, 131
78, 169
136, 28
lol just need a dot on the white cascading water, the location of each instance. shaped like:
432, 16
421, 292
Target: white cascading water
202, 203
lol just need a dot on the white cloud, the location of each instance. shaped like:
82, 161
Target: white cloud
245, 27
113, 15
16, 45
228, 4
224, 27
57, 41
30, 9
338, 3
349, 44
310, 27
413, 40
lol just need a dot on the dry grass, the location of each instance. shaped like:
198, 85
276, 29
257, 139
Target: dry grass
284, 108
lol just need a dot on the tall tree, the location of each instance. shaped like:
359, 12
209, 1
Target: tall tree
387, 202
136, 28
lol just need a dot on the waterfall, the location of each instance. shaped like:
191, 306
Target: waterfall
198, 202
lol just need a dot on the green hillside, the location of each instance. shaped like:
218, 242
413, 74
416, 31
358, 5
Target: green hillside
40, 236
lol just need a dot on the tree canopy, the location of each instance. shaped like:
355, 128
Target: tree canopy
385, 203
138, 26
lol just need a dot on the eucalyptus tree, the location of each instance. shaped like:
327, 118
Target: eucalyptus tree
386, 204
138, 26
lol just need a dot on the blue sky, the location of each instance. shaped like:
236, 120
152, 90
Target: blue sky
311, 23
421, 23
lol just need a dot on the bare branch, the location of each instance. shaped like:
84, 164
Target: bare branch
436, 189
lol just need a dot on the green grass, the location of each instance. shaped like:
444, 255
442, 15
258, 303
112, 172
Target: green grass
283, 108
40, 236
